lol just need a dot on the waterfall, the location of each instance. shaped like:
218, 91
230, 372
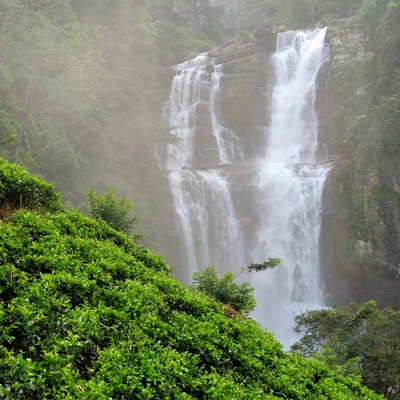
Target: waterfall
289, 187
205, 214
286, 182
210, 231
195, 90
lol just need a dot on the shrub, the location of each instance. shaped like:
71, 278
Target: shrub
116, 212
225, 290
20, 189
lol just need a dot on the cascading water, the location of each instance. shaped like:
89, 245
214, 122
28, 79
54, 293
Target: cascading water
203, 205
286, 188
196, 87
289, 187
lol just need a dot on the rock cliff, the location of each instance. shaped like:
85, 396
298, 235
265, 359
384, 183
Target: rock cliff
361, 226
360, 229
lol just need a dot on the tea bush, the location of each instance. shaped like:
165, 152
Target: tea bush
87, 313
20, 189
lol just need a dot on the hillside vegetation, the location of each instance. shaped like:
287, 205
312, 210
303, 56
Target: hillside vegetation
82, 84
87, 313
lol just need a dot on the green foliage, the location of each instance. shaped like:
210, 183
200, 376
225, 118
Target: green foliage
192, 12
248, 15
270, 264
86, 313
116, 212
352, 325
388, 122
388, 201
388, 85
243, 36
225, 289
381, 22
379, 347
8, 133
355, 339
8, 139
184, 27
77, 86
317, 327
20, 189
386, 193
388, 39
360, 224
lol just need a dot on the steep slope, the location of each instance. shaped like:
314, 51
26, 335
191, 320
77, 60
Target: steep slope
88, 314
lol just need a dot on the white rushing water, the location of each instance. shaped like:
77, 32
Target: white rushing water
286, 190
290, 186
205, 215
196, 84
207, 221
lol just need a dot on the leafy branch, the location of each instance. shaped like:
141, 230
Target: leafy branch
270, 264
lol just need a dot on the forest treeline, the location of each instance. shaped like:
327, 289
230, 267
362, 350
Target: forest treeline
81, 81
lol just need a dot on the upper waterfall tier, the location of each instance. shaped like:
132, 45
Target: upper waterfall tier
293, 132
192, 111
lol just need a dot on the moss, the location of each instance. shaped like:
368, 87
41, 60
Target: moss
360, 222
386, 193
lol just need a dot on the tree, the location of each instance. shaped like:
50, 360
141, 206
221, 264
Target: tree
193, 11
116, 212
8, 132
239, 296
358, 336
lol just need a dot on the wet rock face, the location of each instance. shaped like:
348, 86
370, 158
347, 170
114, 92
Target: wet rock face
358, 265
243, 95
347, 43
